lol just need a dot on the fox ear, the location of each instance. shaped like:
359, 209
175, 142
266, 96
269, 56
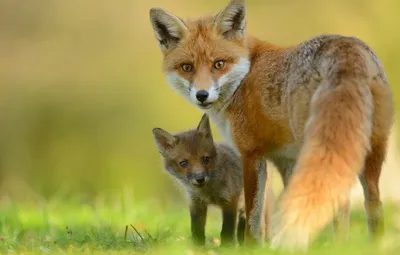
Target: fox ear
163, 139
231, 21
204, 126
167, 28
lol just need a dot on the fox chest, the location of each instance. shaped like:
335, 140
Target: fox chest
214, 196
224, 128
272, 140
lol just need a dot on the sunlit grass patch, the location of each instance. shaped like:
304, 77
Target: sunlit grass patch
150, 228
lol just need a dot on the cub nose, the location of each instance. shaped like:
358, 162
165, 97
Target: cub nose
200, 179
202, 95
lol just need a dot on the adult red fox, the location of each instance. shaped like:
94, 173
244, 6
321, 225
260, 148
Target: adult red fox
321, 111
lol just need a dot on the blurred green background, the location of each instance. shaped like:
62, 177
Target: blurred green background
81, 85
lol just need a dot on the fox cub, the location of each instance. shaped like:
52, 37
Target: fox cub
211, 174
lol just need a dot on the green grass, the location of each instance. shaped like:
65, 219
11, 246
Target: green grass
150, 228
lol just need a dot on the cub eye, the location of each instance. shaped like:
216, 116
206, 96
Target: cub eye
219, 64
187, 68
206, 160
184, 163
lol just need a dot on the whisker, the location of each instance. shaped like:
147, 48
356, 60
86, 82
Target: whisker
184, 89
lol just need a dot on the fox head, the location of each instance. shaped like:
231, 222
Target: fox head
206, 59
189, 156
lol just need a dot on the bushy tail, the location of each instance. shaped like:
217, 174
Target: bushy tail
335, 145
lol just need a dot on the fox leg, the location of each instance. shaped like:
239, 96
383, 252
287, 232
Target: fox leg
254, 177
229, 223
285, 168
241, 227
198, 215
269, 202
369, 178
370, 183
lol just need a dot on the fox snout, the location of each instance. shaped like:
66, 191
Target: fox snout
200, 179
204, 97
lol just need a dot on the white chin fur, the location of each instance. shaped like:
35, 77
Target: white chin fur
226, 85
179, 84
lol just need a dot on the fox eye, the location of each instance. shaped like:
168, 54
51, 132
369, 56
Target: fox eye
184, 163
187, 68
219, 64
206, 160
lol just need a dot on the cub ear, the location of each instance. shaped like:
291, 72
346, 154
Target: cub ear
204, 126
168, 28
231, 21
163, 140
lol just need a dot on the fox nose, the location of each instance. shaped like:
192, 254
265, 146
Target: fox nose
200, 179
202, 95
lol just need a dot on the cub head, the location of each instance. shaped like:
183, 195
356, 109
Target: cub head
189, 156
205, 59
